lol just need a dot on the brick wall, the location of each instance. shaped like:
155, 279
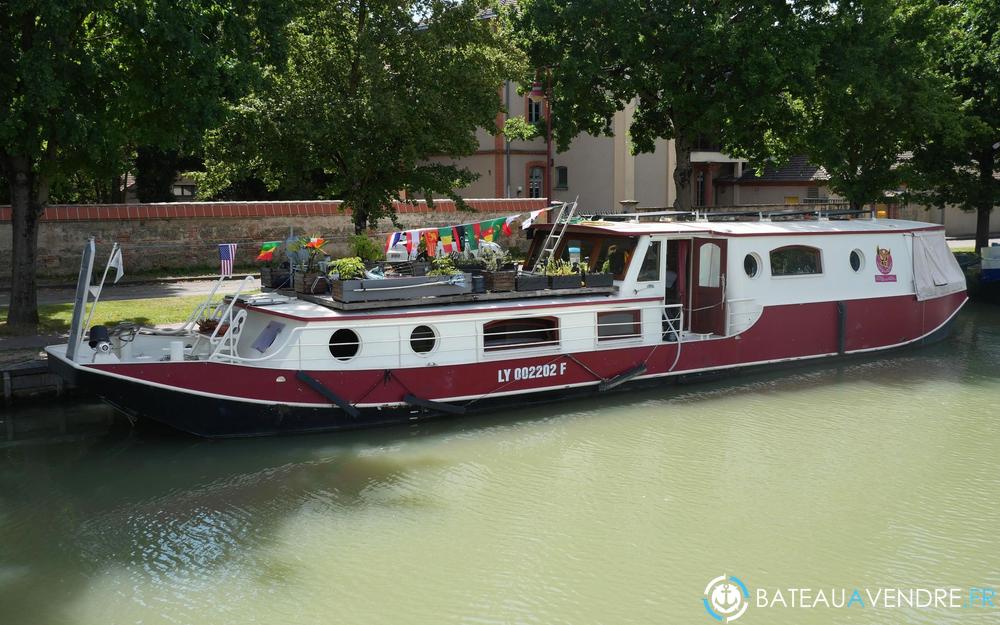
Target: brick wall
185, 235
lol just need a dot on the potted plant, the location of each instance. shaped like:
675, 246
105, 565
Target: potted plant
342, 270
527, 281
351, 285
274, 271
600, 279
309, 278
467, 264
561, 275
498, 270
366, 249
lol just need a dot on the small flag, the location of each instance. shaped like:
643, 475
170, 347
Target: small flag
431, 239
506, 225
532, 216
267, 250
392, 239
411, 236
117, 264
227, 253
449, 240
468, 236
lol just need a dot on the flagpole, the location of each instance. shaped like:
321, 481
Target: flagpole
97, 297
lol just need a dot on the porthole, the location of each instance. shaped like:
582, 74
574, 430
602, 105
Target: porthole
751, 265
423, 339
344, 344
857, 260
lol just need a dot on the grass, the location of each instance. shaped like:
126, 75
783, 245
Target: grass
154, 311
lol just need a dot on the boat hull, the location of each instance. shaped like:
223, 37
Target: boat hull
182, 395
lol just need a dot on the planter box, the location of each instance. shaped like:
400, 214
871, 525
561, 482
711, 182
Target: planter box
472, 268
531, 282
598, 280
571, 281
275, 278
499, 281
312, 283
398, 288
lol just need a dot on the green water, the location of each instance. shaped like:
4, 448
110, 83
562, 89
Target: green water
883, 472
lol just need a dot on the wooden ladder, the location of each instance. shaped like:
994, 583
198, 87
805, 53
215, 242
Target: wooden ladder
566, 212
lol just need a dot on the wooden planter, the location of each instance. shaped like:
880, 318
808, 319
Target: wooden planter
598, 280
499, 281
398, 288
311, 283
571, 281
531, 282
275, 278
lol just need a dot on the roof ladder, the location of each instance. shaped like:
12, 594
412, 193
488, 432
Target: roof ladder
566, 212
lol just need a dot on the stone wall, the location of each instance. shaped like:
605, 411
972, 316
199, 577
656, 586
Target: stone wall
185, 236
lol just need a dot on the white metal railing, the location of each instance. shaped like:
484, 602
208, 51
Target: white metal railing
295, 348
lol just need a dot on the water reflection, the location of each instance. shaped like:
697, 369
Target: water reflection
614, 509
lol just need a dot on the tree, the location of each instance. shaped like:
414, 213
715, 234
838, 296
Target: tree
373, 91
695, 68
875, 94
961, 167
82, 80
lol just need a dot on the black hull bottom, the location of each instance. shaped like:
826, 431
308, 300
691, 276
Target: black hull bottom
213, 417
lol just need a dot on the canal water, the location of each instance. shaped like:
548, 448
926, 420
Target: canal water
879, 473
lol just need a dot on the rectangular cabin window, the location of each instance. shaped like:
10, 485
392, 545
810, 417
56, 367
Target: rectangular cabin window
618, 324
796, 260
650, 269
520, 333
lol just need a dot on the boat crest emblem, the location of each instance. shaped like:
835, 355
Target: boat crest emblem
883, 262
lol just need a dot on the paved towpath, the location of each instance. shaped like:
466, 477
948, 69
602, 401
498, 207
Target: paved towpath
139, 290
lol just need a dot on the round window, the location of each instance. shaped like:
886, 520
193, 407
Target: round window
857, 260
344, 344
422, 339
751, 265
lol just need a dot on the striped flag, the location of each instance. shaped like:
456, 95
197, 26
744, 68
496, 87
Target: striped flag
227, 253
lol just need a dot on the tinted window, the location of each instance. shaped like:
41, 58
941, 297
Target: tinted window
650, 270
618, 324
750, 265
516, 333
857, 260
344, 344
795, 260
422, 339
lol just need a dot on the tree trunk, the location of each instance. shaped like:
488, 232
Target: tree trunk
984, 199
682, 172
28, 196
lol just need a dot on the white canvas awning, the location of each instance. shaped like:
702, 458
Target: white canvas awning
935, 270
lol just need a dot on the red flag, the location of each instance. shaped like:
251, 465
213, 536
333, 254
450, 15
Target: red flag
431, 239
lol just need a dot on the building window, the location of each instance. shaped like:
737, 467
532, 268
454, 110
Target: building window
618, 324
520, 333
183, 190
699, 190
812, 193
796, 260
562, 178
534, 111
650, 269
344, 344
536, 175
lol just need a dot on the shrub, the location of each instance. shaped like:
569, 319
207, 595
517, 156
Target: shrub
347, 268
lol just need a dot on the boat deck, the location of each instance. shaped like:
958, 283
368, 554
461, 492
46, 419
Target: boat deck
438, 300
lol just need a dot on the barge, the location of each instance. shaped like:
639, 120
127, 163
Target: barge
691, 294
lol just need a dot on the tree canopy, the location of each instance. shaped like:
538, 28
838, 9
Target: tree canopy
695, 68
875, 92
961, 167
82, 81
373, 91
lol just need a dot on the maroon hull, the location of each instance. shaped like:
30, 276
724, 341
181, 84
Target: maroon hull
782, 333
